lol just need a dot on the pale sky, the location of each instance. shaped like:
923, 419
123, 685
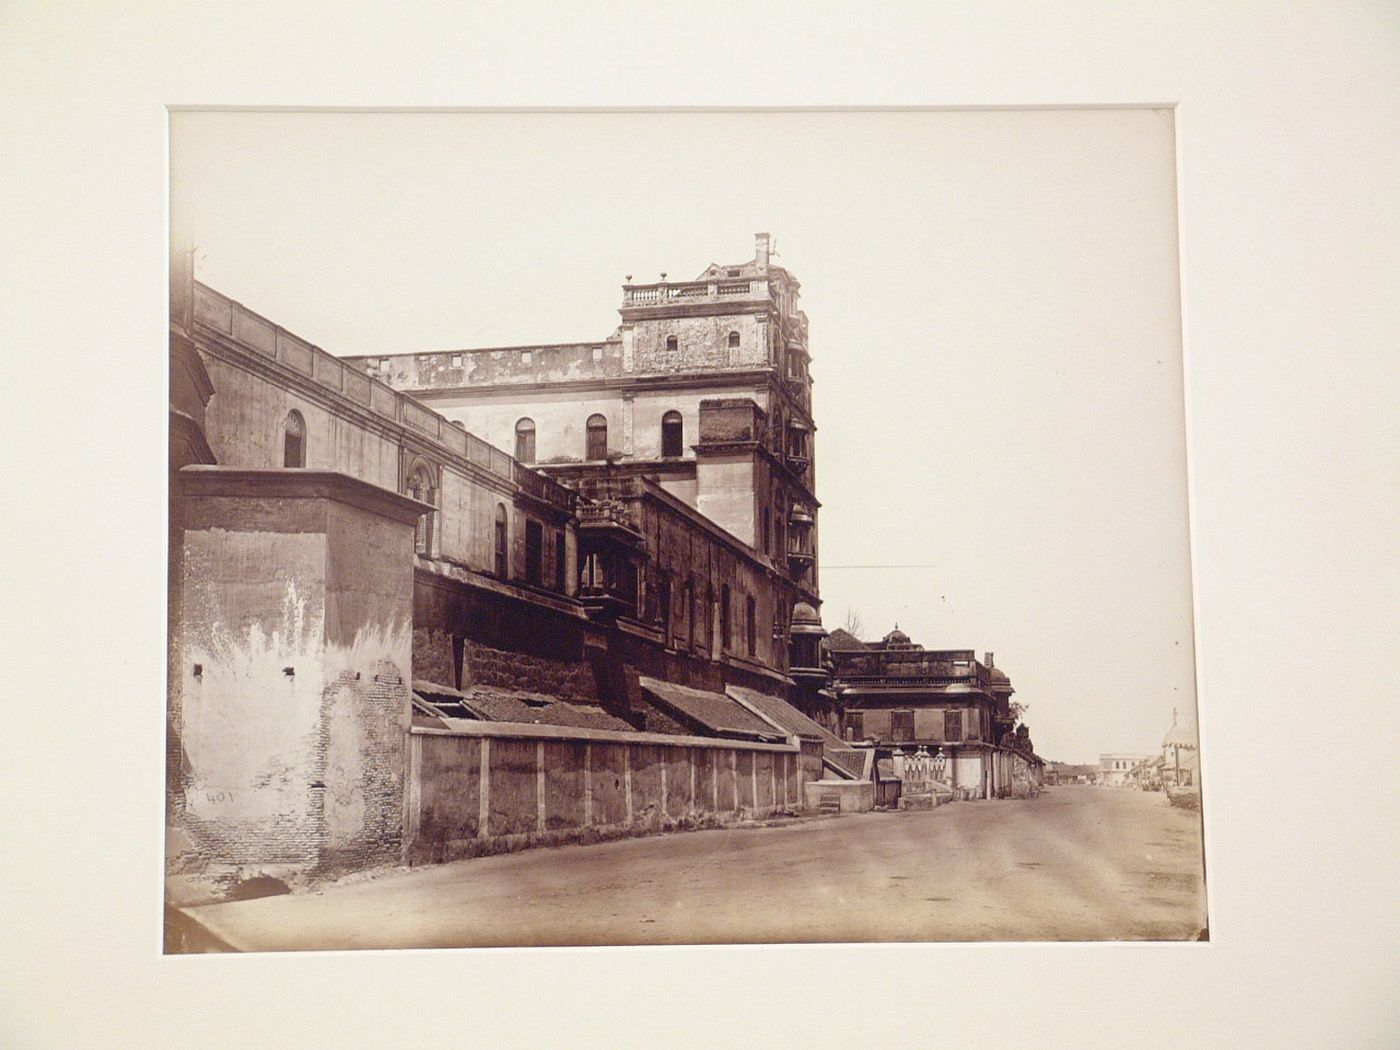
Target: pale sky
995, 333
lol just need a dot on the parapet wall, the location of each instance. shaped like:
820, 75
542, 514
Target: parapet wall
494, 787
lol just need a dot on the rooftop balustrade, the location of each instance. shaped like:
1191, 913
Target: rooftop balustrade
249, 330
666, 292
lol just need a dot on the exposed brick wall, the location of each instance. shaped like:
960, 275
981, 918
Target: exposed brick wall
433, 658
360, 760
485, 665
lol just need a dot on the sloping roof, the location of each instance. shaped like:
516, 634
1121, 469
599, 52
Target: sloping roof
851, 759
711, 713
788, 718
442, 700
490, 704
844, 639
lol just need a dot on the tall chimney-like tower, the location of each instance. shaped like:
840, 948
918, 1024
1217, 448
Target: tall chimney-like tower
761, 241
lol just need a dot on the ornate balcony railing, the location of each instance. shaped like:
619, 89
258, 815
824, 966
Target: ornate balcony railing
666, 292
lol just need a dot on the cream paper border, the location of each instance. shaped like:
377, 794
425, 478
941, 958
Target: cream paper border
1287, 146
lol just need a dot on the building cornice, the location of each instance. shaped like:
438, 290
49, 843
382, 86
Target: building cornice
336, 403
208, 481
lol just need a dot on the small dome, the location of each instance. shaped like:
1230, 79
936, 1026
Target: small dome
998, 675
896, 639
804, 614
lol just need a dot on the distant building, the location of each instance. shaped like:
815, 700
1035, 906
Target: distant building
1115, 768
1180, 754
1068, 773
901, 697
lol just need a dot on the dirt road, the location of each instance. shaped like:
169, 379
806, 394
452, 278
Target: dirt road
1077, 863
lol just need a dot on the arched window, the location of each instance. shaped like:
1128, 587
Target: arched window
733, 340
751, 625
673, 343
725, 625
422, 486
672, 434
294, 440
502, 542
525, 440
597, 438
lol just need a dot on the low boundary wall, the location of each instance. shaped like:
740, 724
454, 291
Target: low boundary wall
492, 787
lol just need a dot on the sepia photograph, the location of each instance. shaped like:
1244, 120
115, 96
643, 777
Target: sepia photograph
678, 527
746, 525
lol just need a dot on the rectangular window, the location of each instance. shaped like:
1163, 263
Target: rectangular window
534, 553
724, 625
689, 612
663, 603
953, 726
751, 625
901, 725
560, 559
502, 542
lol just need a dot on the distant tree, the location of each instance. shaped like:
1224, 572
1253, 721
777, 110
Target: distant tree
853, 623
1018, 709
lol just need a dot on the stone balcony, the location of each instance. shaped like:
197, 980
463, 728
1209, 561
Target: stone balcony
665, 293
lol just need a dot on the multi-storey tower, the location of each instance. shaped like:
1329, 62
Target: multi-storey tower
704, 387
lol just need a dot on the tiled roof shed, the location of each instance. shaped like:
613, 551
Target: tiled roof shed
786, 717
709, 714
510, 705
835, 751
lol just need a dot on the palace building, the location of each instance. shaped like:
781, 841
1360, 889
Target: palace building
366, 581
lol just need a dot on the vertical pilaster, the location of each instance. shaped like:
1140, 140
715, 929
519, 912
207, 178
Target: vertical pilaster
664, 764
484, 783
540, 821
627, 778
587, 785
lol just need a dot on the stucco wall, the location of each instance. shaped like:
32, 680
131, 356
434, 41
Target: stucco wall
292, 698
545, 785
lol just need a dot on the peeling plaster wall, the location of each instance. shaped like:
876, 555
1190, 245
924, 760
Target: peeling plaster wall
702, 343
292, 704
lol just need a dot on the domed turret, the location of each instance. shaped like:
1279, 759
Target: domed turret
897, 639
806, 620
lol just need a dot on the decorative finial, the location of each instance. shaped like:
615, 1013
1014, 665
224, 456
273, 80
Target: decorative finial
628, 278
663, 275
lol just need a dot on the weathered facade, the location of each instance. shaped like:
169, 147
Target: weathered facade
705, 387
942, 704
334, 539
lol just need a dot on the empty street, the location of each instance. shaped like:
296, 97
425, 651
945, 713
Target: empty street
1077, 863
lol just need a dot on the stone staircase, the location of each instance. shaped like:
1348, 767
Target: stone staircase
830, 802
